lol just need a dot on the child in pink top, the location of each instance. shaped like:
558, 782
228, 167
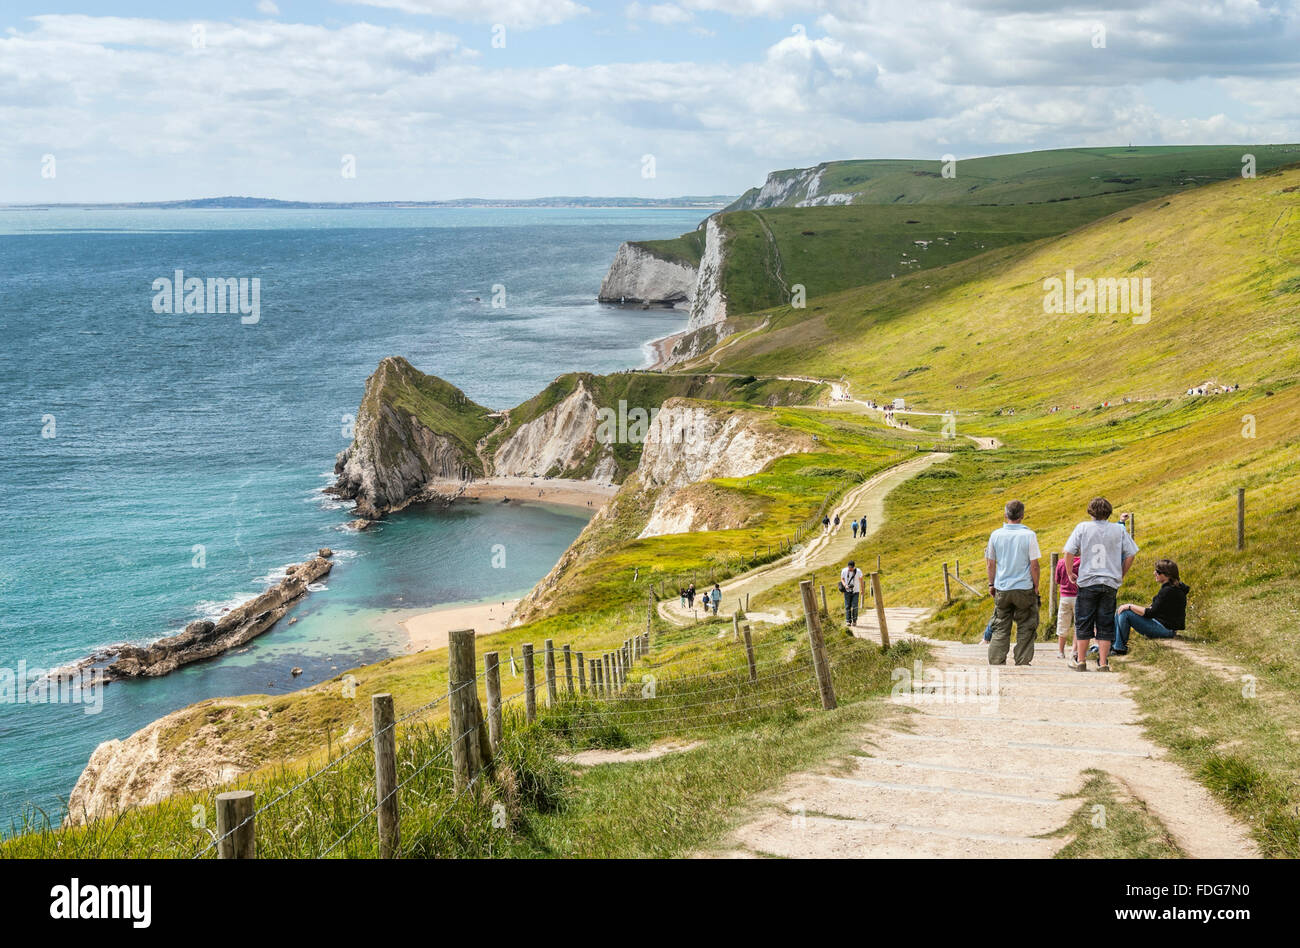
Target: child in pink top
1065, 612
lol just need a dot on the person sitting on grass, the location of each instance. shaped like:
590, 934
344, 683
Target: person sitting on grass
1163, 619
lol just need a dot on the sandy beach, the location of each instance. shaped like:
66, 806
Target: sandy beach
575, 493
431, 629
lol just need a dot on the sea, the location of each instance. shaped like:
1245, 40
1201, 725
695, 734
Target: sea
159, 467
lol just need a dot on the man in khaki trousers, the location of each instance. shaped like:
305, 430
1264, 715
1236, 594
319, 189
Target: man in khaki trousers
1012, 559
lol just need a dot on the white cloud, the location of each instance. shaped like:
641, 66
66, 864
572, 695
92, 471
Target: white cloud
520, 14
134, 110
268, 7
665, 14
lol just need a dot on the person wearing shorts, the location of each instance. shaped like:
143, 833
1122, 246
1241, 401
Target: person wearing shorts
1105, 551
1065, 605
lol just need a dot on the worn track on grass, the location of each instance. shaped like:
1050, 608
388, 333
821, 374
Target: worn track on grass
826, 552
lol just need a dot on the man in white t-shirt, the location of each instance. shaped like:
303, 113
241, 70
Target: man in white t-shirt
1011, 558
1105, 551
851, 586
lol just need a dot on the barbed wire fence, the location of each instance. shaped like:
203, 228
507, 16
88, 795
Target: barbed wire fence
451, 785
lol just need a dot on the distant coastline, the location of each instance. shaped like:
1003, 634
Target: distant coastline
252, 203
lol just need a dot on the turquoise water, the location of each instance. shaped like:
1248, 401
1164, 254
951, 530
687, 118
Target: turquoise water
172, 432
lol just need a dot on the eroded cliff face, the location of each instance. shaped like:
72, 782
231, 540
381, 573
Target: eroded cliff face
710, 303
691, 443
638, 276
795, 187
557, 442
396, 457
688, 444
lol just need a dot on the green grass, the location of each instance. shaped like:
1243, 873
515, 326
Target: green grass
686, 249
1110, 824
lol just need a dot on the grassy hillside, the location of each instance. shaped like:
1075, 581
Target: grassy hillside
685, 249
1028, 177
1219, 259
829, 249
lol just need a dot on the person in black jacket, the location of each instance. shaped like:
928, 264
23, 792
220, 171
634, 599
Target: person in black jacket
1163, 619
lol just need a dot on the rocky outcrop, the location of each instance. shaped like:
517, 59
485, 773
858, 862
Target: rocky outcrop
206, 639
148, 767
414, 440
639, 276
558, 441
710, 303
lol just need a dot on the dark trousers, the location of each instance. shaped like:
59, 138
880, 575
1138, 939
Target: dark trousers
851, 607
1019, 606
1094, 612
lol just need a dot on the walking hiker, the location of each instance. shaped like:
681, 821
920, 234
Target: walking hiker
854, 525
1106, 552
851, 586
1163, 619
715, 594
1011, 559
690, 596
836, 522
1065, 605
862, 526
826, 524
683, 592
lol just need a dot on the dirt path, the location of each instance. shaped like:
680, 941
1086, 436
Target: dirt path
826, 552
986, 771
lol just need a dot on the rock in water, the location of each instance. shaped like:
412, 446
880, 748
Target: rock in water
205, 639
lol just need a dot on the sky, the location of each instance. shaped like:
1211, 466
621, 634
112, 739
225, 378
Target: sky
366, 100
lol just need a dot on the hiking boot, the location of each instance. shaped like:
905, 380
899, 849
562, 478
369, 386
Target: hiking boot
1103, 668
1119, 651
1079, 666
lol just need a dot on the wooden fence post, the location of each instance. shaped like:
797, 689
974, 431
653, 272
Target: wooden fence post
735, 625
746, 603
816, 645
749, 654
595, 678
384, 737
582, 673
530, 683
568, 669
1241, 518
607, 674
549, 666
880, 610
492, 675
947, 587
236, 827
462, 708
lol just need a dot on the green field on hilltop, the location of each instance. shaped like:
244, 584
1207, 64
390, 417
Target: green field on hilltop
1033, 177
1224, 269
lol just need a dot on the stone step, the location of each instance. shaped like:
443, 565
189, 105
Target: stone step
821, 837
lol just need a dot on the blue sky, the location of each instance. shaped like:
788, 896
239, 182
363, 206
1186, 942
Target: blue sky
145, 100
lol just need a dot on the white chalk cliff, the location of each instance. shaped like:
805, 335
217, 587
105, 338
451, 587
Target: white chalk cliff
710, 303
638, 276
556, 442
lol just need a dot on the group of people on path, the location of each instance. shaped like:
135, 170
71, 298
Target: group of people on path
1097, 557
710, 598
859, 526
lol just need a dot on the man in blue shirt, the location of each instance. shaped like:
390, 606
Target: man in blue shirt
1012, 560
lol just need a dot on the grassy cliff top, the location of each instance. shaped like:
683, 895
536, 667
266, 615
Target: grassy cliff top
437, 404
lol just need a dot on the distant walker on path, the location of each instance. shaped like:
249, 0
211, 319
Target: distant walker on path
1012, 561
